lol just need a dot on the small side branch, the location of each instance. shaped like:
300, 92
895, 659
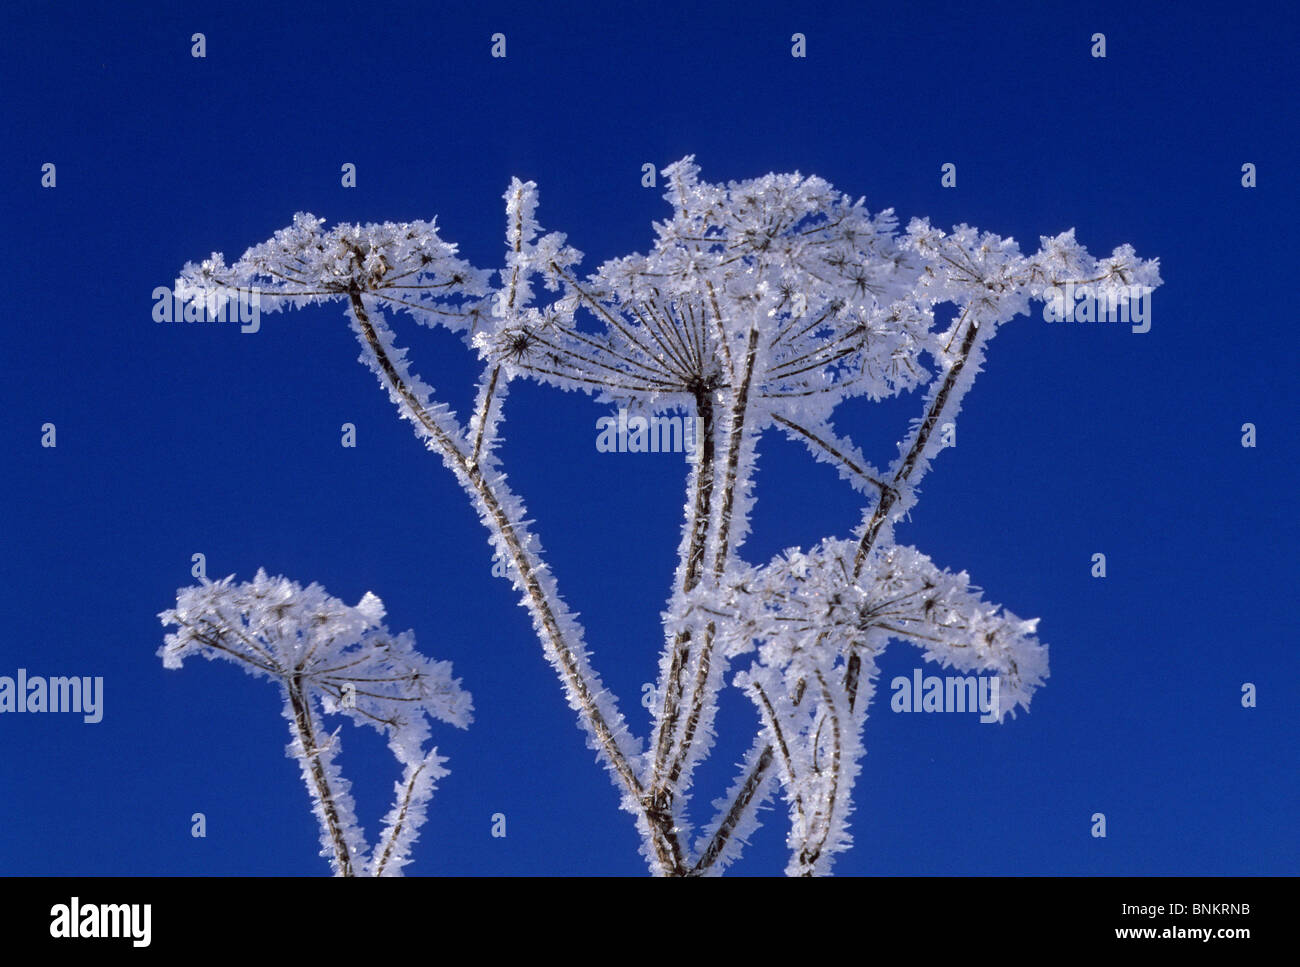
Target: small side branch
746, 799
837, 452
825, 813
400, 825
484, 415
545, 611
890, 496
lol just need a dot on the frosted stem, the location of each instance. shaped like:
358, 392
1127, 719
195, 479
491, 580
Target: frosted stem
306, 733
472, 478
890, 495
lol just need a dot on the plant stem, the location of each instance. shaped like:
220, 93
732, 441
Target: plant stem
306, 734
666, 847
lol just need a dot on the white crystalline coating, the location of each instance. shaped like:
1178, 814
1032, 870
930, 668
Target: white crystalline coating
742, 802
470, 455
526, 254
760, 304
402, 823
371, 608
813, 621
404, 264
807, 610
328, 658
332, 802
275, 628
816, 271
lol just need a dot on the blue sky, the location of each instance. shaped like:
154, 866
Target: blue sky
176, 439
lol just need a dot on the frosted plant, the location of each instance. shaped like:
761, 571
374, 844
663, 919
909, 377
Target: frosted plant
762, 304
329, 658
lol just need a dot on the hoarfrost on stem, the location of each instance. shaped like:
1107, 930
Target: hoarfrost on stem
762, 304
330, 658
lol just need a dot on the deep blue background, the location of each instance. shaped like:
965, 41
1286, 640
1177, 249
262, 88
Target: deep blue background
176, 439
